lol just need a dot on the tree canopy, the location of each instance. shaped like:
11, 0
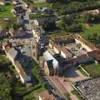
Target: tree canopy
5, 88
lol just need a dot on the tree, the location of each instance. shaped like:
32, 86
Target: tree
5, 88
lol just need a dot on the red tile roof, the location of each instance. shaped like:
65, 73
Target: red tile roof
95, 54
46, 96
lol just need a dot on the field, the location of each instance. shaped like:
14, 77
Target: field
92, 33
93, 69
42, 5
95, 28
5, 11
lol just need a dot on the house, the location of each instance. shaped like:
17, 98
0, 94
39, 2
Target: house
23, 75
14, 2
47, 23
12, 32
12, 54
37, 31
34, 10
19, 10
3, 33
51, 1
44, 40
18, 33
42, 44
83, 59
89, 88
64, 64
59, 45
43, 1
51, 65
75, 50
39, 1
95, 55
46, 10
3, 2
7, 1
94, 12
46, 96
87, 45
66, 53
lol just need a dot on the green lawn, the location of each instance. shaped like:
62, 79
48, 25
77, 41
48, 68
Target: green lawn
93, 69
92, 33
77, 94
42, 5
5, 24
92, 29
4, 59
5, 11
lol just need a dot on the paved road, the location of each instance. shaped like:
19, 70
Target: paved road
58, 85
57, 89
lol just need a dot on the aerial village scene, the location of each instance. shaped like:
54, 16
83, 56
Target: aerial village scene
49, 49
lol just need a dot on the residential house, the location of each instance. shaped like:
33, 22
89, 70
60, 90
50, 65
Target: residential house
42, 44
47, 11
12, 32
14, 2
43, 1
87, 45
64, 64
3, 2
51, 65
66, 53
58, 45
37, 31
83, 59
23, 75
51, 1
19, 10
94, 12
47, 23
12, 54
56, 48
34, 10
39, 1
17, 33
95, 55
72, 49
46, 96
3, 33
89, 88
7, 1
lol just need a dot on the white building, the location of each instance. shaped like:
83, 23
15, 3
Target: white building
47, 57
